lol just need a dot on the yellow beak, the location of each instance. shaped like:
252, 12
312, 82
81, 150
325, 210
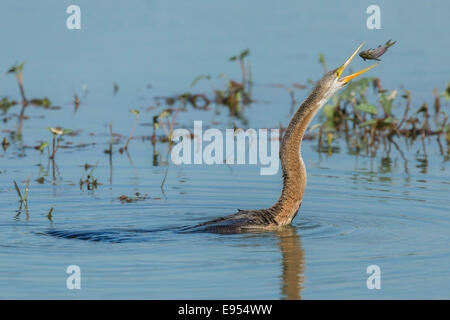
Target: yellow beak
354, 75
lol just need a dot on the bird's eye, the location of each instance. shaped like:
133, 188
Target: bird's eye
337, 74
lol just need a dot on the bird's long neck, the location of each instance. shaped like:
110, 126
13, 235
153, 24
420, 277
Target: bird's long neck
294, 171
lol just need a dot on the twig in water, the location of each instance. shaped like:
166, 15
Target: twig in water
17, 70
407, 96
49, 216
136, 113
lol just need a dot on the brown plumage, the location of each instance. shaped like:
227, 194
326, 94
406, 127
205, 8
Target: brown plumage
294, 171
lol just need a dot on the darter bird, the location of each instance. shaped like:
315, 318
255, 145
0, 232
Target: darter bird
294, 171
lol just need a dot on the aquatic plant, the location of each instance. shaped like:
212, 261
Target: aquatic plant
136, 113
367, 125
49, 215
57, 132
6, 104
17, 70
76, 102
240, 58
41, 147
90, 181
25, 196
44, 102
110, 150
168, 124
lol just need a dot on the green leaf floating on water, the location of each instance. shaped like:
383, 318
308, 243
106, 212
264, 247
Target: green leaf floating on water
367, 108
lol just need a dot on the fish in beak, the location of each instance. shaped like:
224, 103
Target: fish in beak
341, 69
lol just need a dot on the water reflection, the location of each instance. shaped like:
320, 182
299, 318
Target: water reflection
422, 164
293, 263
386, 165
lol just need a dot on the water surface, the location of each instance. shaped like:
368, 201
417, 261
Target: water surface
391, 210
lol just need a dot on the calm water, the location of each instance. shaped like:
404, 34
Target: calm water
388, 210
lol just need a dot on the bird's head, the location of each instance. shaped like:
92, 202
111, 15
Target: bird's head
333, 80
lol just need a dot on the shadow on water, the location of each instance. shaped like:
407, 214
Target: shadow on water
113, 235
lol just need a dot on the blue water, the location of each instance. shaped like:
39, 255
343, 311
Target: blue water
357, 211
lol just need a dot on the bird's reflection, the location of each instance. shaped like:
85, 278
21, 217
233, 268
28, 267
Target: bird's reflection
293, 259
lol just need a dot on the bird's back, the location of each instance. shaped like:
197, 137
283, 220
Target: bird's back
239, 222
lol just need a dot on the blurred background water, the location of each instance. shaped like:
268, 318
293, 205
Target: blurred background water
389, 210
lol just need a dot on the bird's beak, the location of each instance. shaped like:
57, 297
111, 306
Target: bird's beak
354, 75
